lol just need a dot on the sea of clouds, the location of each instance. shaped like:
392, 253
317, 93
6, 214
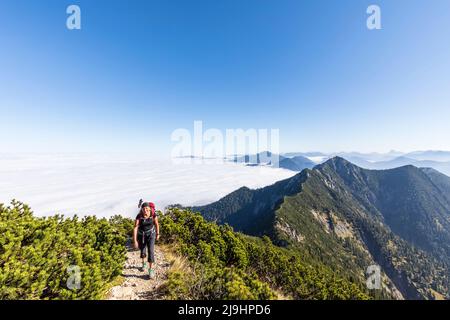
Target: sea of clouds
108, 184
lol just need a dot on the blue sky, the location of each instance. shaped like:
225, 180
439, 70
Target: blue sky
137, 70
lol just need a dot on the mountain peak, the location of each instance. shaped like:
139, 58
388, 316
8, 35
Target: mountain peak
400, 213
337, 159
335, 163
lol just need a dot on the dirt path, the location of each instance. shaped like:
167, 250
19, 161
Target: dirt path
137, 285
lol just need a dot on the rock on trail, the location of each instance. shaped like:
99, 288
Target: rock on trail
137, 285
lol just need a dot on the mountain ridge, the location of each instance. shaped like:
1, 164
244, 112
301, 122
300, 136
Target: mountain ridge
295, 163
338, 202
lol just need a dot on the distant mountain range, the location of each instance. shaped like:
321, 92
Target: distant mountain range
443, 156
297, 161
349, 218
432, 155
443, 167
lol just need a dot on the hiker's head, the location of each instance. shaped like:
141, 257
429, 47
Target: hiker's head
147, 208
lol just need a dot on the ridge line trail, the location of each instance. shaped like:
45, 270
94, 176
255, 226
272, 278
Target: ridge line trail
136, 284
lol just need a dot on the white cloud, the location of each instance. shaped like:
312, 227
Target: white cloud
318, 159
113, 184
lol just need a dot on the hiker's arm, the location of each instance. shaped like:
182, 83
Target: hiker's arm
157, 228
135, 230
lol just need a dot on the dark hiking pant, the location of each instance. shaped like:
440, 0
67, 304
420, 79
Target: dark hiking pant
147, 245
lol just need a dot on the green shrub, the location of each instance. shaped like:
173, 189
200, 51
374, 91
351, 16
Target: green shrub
230, 265
36, 254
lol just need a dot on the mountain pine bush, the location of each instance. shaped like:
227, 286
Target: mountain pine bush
230, 265
38, 256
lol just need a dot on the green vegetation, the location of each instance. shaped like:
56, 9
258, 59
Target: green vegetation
229, 265
36, 253
308, 237
349, 218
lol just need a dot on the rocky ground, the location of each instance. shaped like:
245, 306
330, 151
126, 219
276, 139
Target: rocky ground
137, 285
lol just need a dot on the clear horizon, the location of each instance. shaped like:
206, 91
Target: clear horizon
108, 184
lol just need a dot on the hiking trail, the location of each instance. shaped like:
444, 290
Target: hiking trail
137, 285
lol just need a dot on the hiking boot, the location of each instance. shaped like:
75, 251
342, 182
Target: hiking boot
151, 273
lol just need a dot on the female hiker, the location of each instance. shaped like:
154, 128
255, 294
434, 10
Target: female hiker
146, 231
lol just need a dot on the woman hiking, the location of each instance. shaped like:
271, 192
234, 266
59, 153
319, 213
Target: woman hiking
146, 231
